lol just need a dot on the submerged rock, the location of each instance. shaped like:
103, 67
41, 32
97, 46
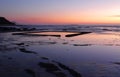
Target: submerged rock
118, 63
57, 68
52, 68
10, 58
77, 34
45, 58
30, 72
26, 51
20, 44
71, 71
49, 67
82, 44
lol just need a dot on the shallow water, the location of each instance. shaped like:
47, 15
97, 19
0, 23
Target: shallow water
91, 55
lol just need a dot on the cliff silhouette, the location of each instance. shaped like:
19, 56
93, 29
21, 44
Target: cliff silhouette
4, 21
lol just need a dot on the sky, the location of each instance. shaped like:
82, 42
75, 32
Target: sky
61, 11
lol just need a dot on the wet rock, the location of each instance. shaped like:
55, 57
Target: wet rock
53, 69
49, 67
10, 58
47, 43
77, 34
30, 72
52, 42
82, 44
30, 34
4, 48
18, 33
26, 45
74, 73
108, 44
71, 71
118, 63
107, 29
20, 44
60, 74
45, 58
65, 43
26, 51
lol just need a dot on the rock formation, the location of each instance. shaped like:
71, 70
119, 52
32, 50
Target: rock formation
4, 21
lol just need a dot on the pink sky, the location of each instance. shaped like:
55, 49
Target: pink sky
62, 11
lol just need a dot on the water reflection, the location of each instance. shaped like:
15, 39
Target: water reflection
82, 39
86, 55
59, 34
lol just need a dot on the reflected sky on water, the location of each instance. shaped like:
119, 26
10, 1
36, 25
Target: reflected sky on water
92, 54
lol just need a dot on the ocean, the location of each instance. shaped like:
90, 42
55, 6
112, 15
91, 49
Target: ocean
61, 51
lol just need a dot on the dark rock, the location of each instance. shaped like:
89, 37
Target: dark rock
77, 34
63, 66
20, 44
118, 63
45, 58
10, 58
60, 74
30, 72
71, 71
9, 28
29, 34
82, 44
49, 67
53, 69
4, 21
26, 51
18, 33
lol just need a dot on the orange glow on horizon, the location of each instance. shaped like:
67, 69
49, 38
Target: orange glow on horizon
70, 20
62, 11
